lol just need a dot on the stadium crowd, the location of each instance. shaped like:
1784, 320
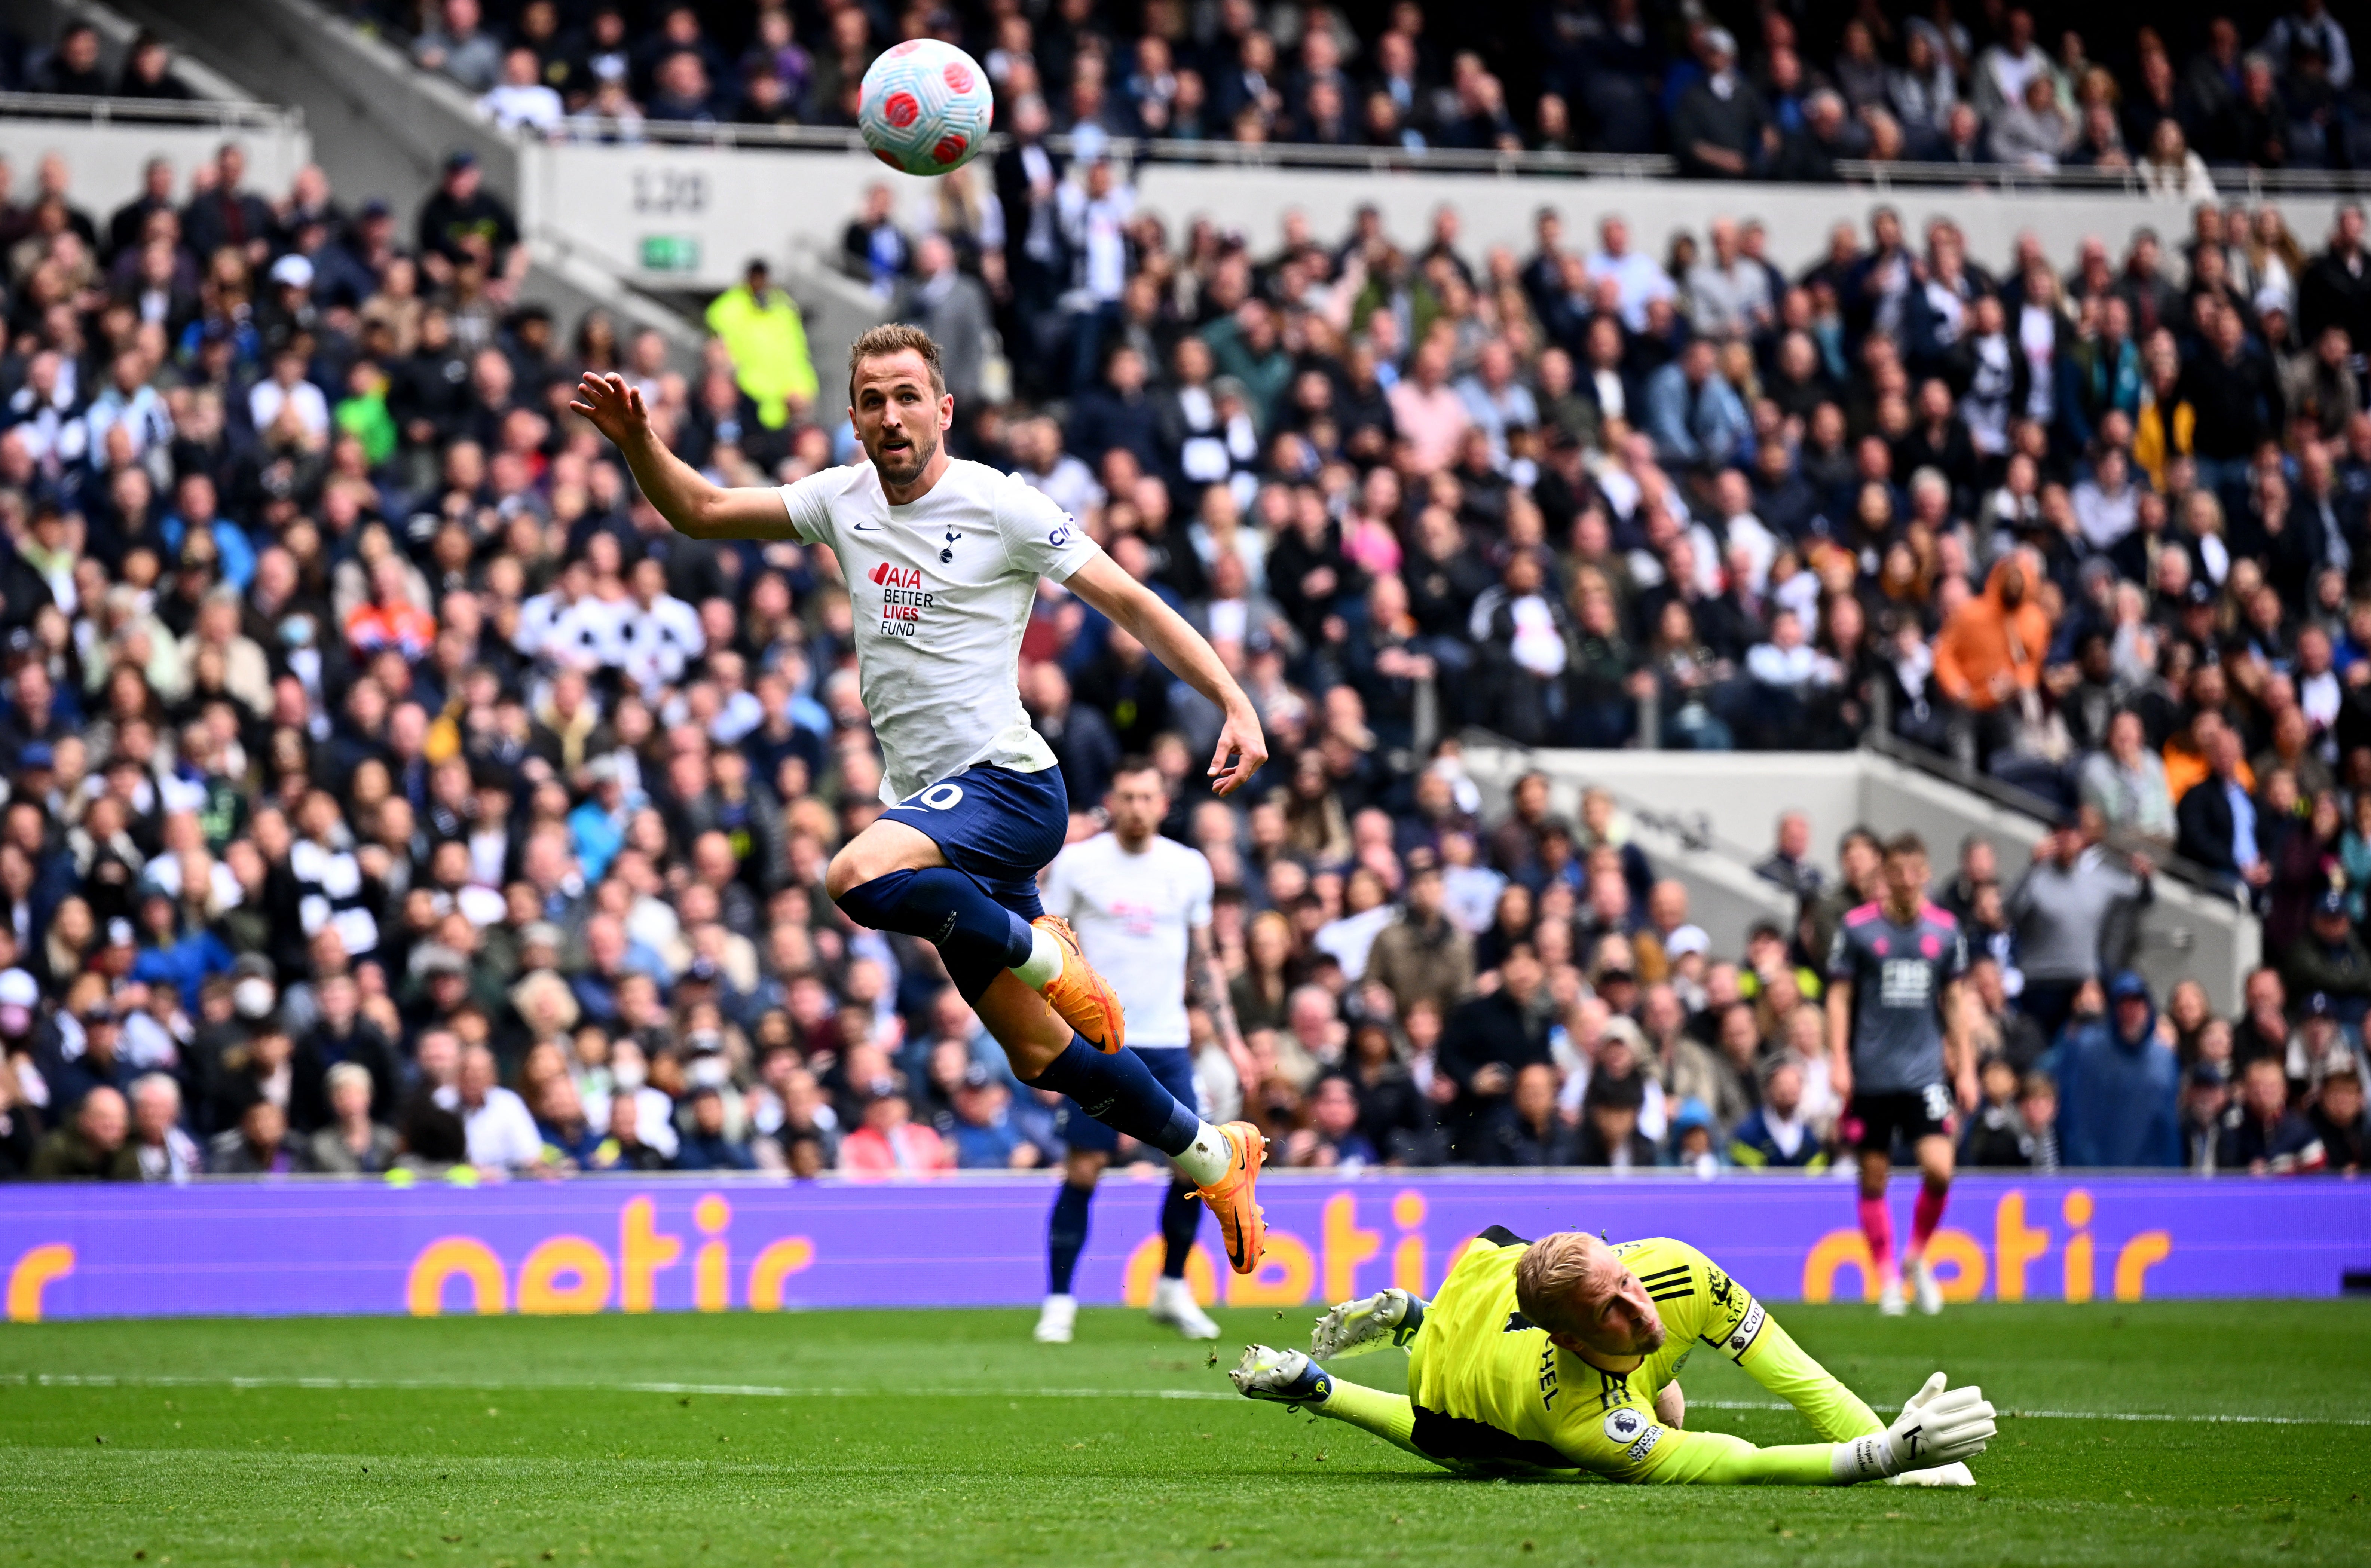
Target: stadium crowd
1787, 97
391, 792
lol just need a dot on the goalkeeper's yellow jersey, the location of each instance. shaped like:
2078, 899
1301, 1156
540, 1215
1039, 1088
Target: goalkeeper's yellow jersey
1487, 1385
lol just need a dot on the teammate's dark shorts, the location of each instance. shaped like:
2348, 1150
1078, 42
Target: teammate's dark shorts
1871, 1122
1173, 1065
997, 826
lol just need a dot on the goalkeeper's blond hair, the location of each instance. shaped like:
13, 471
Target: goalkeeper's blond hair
1559, 1279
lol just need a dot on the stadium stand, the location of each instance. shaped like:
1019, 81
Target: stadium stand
1797, 96
389, 787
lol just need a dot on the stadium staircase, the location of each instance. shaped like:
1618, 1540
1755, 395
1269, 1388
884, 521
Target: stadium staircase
1707, 818
381, 128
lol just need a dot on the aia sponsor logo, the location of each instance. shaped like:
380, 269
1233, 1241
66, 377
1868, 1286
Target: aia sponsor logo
888, 576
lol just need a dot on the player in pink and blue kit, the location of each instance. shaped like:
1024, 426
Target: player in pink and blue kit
1898, 1055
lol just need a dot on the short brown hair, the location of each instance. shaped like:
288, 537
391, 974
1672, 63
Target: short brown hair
895, 338
1904, 845
1551, 1278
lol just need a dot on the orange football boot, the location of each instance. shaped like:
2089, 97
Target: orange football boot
1240, 1224
1084, 998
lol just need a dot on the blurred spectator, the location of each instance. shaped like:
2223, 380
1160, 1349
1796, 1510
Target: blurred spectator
1486, 1041
2072, 904
2208, 1115
258, 1146
1527, 1129
625, 1149
2037, 1111
1421, 956
2267, 1138
164, 1152
982, 1129
707, 1144
456, 45
1995, 1136
889, 1142
766, 340
2340, 1123
72, 68
521, 100
1988, 662
148, 72
1721, 127
93, 1145
2328, 959
1788, 863
352, 1143
2124, 781
1774, 1136
2218, 818
500, 1131
1609, 1131
2119, 1088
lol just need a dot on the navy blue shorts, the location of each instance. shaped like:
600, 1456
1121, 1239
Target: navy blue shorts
1172, 1065
997, 826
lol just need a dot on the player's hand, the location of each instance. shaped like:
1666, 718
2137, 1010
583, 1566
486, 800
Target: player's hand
1241, 750
1840, 1080
1940, 1425
615, 408
1970, 1091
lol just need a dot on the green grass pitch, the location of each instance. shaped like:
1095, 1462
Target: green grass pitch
882, 1438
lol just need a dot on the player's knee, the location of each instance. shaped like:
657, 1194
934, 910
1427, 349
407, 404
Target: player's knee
1082, 1168
847, 873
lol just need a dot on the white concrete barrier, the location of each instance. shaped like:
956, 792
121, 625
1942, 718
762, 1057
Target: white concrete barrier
105, 161
1731, 800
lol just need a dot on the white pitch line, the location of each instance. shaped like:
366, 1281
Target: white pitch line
785, 1391
753, 1391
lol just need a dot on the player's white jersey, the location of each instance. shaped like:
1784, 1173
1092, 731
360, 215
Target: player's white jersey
1133, 914
942, 592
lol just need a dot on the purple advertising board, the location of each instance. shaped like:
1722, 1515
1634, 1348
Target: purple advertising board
673, 1245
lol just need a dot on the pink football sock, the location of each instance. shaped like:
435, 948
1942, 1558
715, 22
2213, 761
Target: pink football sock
1926, 1218
1877, 1224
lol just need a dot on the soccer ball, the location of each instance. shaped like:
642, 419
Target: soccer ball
925, 108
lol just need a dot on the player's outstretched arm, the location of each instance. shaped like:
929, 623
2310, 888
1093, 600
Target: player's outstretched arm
1938, 1428
687, 500
1242, 745
1779, 1364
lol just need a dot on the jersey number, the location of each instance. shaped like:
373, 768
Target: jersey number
1938, 1102
938, 797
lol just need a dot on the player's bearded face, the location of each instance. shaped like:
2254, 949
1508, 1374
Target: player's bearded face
897, 416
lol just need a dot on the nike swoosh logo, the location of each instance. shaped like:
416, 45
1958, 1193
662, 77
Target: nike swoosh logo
866, 527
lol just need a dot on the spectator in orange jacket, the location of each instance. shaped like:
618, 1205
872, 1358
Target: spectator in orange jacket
390, 620
1989, 654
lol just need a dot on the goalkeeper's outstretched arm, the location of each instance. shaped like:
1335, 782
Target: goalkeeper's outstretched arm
1935, 1428
1714, 1458
1779, 1364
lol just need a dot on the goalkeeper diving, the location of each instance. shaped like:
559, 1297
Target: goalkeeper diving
1564, 1354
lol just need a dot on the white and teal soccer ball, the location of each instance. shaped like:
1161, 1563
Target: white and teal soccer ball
926, 107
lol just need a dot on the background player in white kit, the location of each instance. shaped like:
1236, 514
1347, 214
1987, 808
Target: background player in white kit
1141, 906
942, 558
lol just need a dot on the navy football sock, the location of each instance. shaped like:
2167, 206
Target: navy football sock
1120, 1091
1066, 1237
975, 934
1181, 1217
